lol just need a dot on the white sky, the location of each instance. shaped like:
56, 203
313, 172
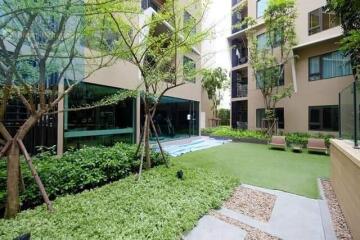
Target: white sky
216, 50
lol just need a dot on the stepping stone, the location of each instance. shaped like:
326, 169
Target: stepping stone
211, 228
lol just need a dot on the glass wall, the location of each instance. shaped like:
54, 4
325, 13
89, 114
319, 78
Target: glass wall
97, 126
175, 118
349, 107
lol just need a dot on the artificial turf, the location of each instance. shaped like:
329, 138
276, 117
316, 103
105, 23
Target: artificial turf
256, 164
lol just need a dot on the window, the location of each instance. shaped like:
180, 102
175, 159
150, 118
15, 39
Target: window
262, 77
261, 41
189, 69
320, 20
260, 8
324, 118
279, 114
329, 65
190, 20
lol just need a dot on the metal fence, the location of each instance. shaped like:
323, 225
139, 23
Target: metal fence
349, 100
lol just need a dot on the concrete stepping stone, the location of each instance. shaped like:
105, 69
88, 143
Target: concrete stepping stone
211, 228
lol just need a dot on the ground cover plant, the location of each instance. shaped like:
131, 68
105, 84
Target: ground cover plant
258, 165
160, 206
76, 170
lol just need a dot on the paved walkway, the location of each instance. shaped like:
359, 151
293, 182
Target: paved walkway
293, 217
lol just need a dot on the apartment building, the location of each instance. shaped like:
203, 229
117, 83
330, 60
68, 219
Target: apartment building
179, 113
317, 75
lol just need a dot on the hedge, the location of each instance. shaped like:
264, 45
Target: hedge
75, 171
291, 138
160, 206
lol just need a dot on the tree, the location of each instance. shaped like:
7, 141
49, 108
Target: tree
155, 42
349, 13
42, 58
213, 81
268, 58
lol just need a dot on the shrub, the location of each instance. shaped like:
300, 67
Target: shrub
291, 138
232, 133
160, 206
224, 115
76, 170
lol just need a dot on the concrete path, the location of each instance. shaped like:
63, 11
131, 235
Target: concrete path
293, 217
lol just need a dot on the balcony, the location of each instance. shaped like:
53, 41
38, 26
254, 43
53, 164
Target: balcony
155, 4
234, 2
237, 18
239, 84
239, 52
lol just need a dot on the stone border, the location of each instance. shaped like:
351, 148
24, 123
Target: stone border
334, 223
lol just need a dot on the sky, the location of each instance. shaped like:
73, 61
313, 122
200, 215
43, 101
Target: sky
216, 50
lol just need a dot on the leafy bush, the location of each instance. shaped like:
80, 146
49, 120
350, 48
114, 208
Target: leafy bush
232, 133
302, 138
160, 206
224, 115
76, 170
291, 138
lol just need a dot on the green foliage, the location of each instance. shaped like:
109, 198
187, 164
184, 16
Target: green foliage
302, 138
76, 170
291, 138
224, 115
225, 131
213, 81
268, 60
160, 206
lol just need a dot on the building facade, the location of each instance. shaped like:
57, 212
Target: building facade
317, 75
179, 114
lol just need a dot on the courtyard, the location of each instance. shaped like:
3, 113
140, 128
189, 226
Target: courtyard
163, 206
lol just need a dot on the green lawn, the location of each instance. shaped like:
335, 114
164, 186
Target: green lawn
160, 206
258, 165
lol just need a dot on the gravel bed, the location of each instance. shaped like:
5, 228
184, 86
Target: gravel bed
252, 233
342, 231
253, 203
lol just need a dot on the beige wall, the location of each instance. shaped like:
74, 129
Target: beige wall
309, 93
345, 179
314, 93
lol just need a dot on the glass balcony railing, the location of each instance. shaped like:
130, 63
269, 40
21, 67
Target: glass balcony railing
242, 90
234, 2
155, 4
349, 114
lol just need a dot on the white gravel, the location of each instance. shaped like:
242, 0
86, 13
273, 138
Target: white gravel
252, 233
253, 203
341, 229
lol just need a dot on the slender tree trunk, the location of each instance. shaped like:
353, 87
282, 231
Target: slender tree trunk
12, 185
147, 140
158, 142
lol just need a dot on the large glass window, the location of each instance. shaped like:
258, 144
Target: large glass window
279, 114
262, 77
324, 118
190, 20
260, 7
101, 125
189, 69
261, 41
320, 20
329, 65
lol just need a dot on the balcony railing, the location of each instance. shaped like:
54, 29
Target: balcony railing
236, 21
239, 56
155, 4
234, 2
349, 114
242, 90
